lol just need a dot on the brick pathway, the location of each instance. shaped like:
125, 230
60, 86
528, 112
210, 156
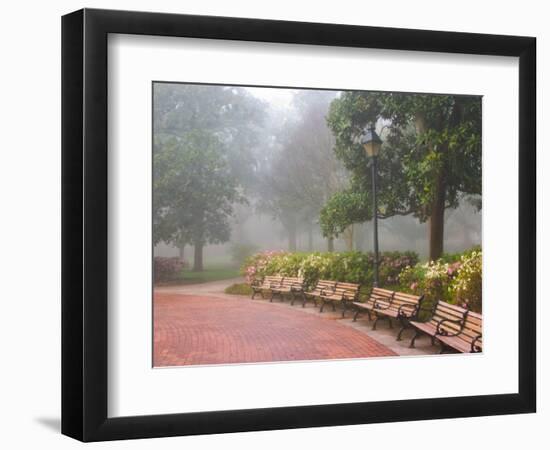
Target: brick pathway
192, 329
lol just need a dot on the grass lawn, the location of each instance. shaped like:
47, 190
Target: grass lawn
211, 272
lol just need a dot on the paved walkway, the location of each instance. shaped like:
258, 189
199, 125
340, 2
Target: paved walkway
200, 324
202, 329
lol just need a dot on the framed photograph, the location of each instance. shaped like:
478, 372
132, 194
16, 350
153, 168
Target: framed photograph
273, 225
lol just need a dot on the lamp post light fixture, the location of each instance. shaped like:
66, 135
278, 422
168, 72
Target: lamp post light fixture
371, 143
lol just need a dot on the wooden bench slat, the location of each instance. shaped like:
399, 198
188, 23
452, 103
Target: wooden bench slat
444, 315
456, 342
406, 297
475, 316
382, 291
448, 306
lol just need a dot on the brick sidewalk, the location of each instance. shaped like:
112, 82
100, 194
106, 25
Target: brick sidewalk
192, 330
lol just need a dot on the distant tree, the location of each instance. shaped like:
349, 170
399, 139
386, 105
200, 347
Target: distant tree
430, 159
194, 193
204, 141
302, 172
230, 113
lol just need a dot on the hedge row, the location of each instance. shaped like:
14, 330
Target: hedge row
351, 267
455, 278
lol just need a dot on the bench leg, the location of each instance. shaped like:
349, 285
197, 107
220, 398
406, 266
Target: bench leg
272, 295
292, 298
403, 328
304, 298
253, 293
322, 306
343, 309
356, 314
417, 334
375, 322
433, 340
390, 323
333, 306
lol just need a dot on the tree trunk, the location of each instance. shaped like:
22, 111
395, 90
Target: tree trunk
292, 239
437, 220
330, 244
197, 263
181, 249
348, 237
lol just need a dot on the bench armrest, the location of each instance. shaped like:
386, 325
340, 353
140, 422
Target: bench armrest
256, 282
296, 287
475, 347
413, 310
443, 332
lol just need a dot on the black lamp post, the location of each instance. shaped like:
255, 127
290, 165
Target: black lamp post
371, 143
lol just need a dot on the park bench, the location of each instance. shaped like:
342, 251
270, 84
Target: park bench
342, 293
289, 285
376, 295
402, 307
267, 283
445, 318
320, 287
468, 339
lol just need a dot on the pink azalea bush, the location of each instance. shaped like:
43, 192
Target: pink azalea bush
256, 265
167, 268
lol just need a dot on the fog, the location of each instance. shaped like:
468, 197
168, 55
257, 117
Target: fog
277, 170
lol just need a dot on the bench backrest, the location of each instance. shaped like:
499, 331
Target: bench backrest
272, 279
472, 329
408, 304
348, 291
292, 281
327, 285
380, 296
444, 310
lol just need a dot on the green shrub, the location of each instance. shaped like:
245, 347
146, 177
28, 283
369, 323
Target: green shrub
352, 267
239, 289
453, 278
456, 257
467, 285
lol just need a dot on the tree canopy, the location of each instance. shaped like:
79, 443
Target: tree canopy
302, 171
430, 157
204, 139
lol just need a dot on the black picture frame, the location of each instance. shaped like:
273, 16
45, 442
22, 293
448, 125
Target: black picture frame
84, 224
